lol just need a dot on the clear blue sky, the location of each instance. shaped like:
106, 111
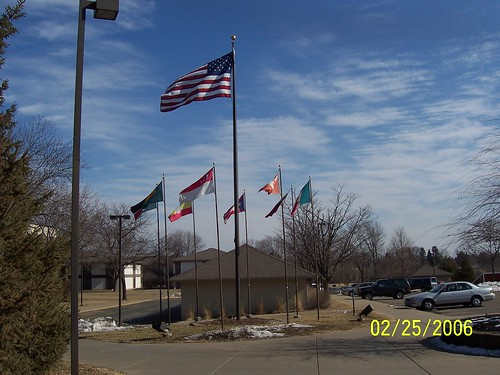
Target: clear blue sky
390, 98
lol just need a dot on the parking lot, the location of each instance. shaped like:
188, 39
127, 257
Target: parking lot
488, 307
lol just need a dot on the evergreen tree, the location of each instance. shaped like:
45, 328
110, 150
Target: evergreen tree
34, 325
422, 256
464, 268
448, 264
430, 257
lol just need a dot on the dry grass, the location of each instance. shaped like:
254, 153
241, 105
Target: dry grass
64, 368
338, 317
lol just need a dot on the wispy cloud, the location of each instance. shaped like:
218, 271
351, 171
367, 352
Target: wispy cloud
349, 95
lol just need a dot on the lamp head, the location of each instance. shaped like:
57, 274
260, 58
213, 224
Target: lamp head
106, 9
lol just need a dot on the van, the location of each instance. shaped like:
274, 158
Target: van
422, 283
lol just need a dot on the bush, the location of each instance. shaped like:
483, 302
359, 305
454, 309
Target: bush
324, 300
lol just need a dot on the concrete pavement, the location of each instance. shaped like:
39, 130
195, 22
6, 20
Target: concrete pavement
346, 352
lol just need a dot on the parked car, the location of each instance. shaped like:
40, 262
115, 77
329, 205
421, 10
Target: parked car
348, 290
452, 293
360, 285
395, 288
422, 283
334, 289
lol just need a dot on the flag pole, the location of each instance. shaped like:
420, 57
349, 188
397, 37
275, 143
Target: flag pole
295, 262
284, 250
166, 248
159, 260
316, 271
221, 297
249, 306
197, 316
235, 187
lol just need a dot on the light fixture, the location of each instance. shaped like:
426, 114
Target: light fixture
106, 9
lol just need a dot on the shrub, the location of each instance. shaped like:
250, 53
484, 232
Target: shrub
324, 300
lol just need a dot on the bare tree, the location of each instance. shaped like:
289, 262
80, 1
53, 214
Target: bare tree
272, 245
326, 237
477, 226
481, 196
182, 242
50, 157
483, 238
403, 251
371, 247
137, 242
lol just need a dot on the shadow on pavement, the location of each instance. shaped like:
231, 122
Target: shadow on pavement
175, 316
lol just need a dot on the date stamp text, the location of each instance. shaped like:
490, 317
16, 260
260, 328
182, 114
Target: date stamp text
420, 328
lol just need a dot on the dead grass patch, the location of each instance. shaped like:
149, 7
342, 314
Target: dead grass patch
338, 317
64, 368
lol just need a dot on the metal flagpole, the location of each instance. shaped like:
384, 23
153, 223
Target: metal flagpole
166, 249
249, 306
284, 250
221, 297
295, 263
160, 279
315, 251
235, 187
195, 265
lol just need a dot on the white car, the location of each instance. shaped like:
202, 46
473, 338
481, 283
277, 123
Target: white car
452, 293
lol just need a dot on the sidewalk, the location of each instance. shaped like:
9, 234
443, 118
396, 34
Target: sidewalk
346, 352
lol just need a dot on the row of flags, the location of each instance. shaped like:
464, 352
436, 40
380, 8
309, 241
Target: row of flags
206, 185
213, 80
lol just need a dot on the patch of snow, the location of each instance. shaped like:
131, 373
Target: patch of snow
494, 285
461, 349
255, 332
99, 325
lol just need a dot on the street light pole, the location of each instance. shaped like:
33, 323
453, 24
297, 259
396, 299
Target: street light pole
103, 9
120, 266
434, 250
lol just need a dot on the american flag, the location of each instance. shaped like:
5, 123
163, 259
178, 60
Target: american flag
212, 80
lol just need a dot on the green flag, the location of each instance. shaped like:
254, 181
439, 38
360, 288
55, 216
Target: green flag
303, 198
149, 202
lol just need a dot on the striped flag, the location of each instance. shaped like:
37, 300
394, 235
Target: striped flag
184, 209
241, 208
303, 198
212, 80
205, 185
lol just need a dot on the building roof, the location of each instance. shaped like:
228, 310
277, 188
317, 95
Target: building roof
428, 270
201, 256
261, 266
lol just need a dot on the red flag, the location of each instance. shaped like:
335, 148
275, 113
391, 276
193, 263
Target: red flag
275, 208
205, 185
272, 187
